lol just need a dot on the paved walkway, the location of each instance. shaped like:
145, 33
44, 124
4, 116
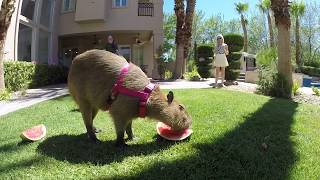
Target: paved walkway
34, 96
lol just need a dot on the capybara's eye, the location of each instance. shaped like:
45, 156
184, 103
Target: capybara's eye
181, 107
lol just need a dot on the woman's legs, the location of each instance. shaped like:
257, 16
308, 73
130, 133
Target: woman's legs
223, 74
217, 76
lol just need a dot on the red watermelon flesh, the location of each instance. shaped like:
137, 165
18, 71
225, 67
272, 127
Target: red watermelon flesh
35, 133
166, 132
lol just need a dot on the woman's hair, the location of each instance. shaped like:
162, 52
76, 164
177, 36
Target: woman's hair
220, 36
111, 37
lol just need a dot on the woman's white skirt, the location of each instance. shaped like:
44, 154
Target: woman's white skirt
220, 60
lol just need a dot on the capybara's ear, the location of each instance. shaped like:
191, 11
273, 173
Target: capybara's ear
170, 97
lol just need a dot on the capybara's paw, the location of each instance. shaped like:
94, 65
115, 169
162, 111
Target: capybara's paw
94, 139
121, 144
96, 130
132, 138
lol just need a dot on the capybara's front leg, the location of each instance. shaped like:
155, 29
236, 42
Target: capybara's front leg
129, 131
86, 111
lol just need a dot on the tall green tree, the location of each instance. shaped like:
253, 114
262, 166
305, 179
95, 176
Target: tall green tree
297, 10
242, 8
282, 18
7, 9
265, 6
169, 30
183, 33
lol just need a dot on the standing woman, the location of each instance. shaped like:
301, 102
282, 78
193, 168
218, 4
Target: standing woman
220, 63
112, 46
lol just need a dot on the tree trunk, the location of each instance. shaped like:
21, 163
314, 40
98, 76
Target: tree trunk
180, 25
2, 85
298, 43
284, 51
245, 34
283, 23
179, 61
271, 36
6, 11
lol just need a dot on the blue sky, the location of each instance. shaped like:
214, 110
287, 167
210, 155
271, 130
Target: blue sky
213, 7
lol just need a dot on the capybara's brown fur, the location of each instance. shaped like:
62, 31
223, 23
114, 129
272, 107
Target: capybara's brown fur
91, 78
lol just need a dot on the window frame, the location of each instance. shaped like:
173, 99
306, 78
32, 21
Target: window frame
121, 6
70, 10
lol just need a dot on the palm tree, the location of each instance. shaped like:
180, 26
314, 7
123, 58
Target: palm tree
282, 18
191, 4
297, 10
7, 9
265, 6
183, 33
242, 8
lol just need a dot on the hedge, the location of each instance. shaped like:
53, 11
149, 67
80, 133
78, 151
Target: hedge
204, 59
311, 71
235, 44
21, 75
234, 41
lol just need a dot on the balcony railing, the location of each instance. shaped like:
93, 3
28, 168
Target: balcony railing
145, 9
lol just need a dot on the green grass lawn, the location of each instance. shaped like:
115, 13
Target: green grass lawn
229, 130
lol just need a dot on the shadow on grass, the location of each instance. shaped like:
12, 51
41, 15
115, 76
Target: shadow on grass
78, 149
22, 164
259, 148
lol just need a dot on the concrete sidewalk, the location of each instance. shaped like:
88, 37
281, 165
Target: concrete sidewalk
34, 96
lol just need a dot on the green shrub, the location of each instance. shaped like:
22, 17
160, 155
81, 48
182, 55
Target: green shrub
312, 63
234, 41
267, 57
311, 71
295, 88
192, 75
21, 75
168, 75
204, 60
235, 44
232, 74
4, 95
316, 91
161, 58
272, 83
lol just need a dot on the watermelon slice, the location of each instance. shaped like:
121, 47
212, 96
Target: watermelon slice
35, 133
166, 132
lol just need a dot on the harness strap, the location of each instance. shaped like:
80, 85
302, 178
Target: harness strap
143, 96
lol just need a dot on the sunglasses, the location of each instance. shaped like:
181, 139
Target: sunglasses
219, 38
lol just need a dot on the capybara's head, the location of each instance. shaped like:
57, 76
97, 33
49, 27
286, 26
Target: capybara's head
175, 114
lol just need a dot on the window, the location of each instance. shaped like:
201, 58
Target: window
27, 8
24, 42
68, 5
125, 51
46, 13
120, 3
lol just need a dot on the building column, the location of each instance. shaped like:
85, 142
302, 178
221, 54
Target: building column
157, 42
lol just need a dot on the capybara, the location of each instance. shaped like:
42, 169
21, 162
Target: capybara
91, 78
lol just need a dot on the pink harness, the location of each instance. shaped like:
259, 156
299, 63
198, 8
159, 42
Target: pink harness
143, 96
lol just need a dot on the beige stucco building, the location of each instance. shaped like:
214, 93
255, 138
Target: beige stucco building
54, 31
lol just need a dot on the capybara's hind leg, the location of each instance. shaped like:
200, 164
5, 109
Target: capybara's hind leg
129, 131
86, 111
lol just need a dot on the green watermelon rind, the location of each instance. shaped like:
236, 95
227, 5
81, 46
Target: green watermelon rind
25, 137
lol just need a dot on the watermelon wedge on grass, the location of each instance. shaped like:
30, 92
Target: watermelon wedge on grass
166, 132
34, 133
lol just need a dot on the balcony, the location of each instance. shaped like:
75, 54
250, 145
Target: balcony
145, 9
